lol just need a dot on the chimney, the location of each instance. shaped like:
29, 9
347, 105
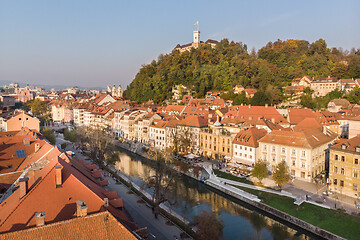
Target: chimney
23, 186
81, 208
266, 105
106, 202
40, 219
26, 141
250, 118
58, 178
37, 147
273, 120
325, 130
249, 105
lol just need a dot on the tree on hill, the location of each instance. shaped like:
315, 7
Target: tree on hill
281, 174
208, 226
354, 95
260, 170
229, 63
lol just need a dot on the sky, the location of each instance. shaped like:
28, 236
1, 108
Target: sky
93, 43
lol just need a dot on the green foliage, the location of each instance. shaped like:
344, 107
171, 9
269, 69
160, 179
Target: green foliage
49, 135
70, 135
319, 103
209, 227
37, 107
260, 99
354, 95
281, 174
228, 64
260, 170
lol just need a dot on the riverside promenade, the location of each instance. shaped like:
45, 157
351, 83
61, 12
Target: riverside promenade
158, 228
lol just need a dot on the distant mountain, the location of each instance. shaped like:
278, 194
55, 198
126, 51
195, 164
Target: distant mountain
47, 87
229, 64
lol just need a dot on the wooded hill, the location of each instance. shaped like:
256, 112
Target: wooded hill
229, 63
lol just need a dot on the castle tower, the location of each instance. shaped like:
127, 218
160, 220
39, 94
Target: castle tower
196, 39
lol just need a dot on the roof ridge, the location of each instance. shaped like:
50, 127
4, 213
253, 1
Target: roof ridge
27, 195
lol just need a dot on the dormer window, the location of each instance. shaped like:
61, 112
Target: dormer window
343, 147
357, 149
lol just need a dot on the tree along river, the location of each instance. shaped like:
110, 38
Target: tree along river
240, 220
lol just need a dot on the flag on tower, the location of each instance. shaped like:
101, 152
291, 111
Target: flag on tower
197, 23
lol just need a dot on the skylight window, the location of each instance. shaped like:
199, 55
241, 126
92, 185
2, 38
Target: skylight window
20, 154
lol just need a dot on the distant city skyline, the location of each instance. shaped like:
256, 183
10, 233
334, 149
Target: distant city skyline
99, 43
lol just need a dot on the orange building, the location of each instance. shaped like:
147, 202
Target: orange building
21, 120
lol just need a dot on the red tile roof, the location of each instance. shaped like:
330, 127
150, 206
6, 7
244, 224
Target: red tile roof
95, 226
249, 137
296, 115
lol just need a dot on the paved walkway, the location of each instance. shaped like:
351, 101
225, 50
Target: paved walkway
141, 213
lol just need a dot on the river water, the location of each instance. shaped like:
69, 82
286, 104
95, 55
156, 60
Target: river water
192, 197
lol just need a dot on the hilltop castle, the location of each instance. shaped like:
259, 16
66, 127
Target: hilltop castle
196, 42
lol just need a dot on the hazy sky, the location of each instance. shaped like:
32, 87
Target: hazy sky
94, 43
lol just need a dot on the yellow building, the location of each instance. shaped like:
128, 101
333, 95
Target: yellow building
344, 168
216, 142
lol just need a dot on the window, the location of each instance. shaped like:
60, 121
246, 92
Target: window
235, 146
343, 158
250, 156
303, 164
303, 174
293, 152
343, 147
341, 183
273, 148
9, 166
303, 153
357, 149
356, 161
342, 171
293, 163
245, 156
20, 153
335, 169
293, 172
264, 157
336, 157
282, 150
355, 187
355, 174
264, 148
273, 158
335, 181
245, 148
250, 149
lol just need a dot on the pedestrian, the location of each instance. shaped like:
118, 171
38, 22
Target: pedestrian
153, 209
307, 197
335, 205
324, 199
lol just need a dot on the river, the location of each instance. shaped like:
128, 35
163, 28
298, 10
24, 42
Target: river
240, 221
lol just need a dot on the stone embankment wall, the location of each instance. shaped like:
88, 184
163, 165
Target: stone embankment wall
273, 211
277, 213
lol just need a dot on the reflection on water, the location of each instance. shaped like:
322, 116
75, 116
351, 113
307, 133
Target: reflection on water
194, 197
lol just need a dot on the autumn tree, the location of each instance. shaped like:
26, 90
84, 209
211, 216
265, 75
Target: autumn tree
208, 226
98, 140
162, 180
38, 108
281, 174
260, 170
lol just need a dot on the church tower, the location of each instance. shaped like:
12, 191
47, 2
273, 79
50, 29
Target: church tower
196, 39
